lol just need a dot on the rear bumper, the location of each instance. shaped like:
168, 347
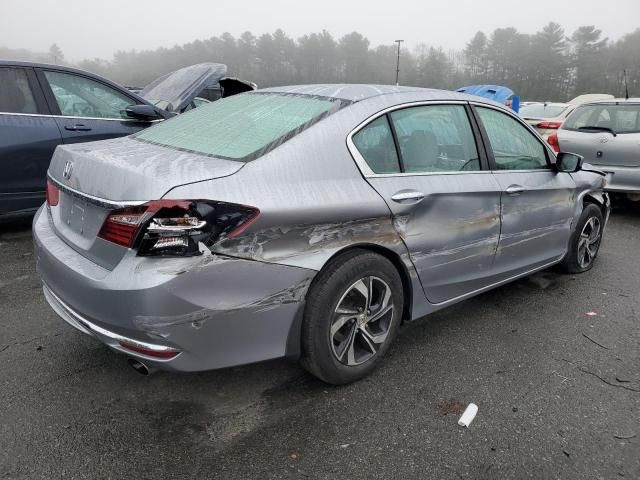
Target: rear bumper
621, 179
216, 311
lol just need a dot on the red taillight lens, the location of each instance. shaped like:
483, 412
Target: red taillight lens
53, 194
164, 352
549, 125
122, 225
176, 227
553, 141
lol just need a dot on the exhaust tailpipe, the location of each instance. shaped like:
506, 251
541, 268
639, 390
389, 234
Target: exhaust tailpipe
140, 367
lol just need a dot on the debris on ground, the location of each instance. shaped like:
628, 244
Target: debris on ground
468, 415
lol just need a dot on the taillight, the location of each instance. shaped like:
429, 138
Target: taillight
53, 194
549, 125
175, 227
553, 141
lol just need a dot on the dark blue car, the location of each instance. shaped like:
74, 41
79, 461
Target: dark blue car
42, 106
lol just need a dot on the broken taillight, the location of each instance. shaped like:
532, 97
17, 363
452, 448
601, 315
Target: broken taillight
175, 227
53, 194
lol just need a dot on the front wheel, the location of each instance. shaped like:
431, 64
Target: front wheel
585, 241
352, 314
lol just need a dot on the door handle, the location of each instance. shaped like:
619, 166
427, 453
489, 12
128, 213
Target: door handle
78, 127
514, 189
410, 196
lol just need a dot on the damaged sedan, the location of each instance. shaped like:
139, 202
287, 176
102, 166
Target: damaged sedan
305, 222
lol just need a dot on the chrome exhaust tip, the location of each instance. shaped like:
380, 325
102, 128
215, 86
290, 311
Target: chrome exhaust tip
140, 367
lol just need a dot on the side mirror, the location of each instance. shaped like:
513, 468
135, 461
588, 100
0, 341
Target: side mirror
569, 162
142, 112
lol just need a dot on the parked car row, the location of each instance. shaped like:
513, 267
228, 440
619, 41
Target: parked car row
43, 106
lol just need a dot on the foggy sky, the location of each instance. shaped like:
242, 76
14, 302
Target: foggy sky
98, 28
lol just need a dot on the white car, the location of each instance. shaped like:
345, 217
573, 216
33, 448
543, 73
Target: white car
546, 117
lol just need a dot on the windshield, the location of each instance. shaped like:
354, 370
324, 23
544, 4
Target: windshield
618, 118
540, 110
242, 127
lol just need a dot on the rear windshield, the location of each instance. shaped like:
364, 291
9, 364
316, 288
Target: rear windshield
242, 127
542, 111
619, 118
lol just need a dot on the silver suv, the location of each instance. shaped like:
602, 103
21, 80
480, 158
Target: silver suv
607, 134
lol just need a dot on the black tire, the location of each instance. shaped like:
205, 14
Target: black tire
573, 261
338, 283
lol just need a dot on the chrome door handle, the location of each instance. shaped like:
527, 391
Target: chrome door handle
514, 189
410, 196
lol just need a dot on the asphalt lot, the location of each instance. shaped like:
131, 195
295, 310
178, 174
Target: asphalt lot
558, 391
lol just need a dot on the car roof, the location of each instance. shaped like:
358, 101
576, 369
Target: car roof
551, 104
359, 92
616, 101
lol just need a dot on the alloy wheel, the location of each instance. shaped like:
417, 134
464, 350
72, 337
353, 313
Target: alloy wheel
589, 242
361, 321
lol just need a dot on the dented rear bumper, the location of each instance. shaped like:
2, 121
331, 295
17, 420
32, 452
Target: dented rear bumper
217, 311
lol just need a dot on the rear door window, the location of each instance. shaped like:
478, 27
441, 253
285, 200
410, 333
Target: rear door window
435, 138
79, 96
242, 127
514, 146
15, 93
375, 144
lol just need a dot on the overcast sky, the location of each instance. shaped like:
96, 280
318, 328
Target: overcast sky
98, 28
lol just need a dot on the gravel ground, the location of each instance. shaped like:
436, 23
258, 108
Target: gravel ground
552, 361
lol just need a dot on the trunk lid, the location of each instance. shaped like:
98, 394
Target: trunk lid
95, 178
175, 91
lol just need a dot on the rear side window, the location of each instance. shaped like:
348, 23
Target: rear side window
435, 138
82, 97
619, 118
15, 93
514, 146
242, 127
375, 144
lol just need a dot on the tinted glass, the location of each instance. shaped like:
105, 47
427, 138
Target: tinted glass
540, 110
619, 118
514, 146
242, 127
15, 93
435, 138
81, 97
375, 144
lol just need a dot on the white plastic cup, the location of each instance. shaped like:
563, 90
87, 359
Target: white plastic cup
468, 415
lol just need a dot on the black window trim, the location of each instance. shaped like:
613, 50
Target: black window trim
549, 154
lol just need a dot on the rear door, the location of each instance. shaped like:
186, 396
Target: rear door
87, 109
28, 137
424, 162
537, 202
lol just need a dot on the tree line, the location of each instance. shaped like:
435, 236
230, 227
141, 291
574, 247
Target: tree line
546, 65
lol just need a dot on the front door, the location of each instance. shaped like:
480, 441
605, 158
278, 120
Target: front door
89, 110
425, 163
537, 202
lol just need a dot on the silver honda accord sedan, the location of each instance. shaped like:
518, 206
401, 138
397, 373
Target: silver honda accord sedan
305, 222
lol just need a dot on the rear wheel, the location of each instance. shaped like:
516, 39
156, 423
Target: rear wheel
352, 314
585, 241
